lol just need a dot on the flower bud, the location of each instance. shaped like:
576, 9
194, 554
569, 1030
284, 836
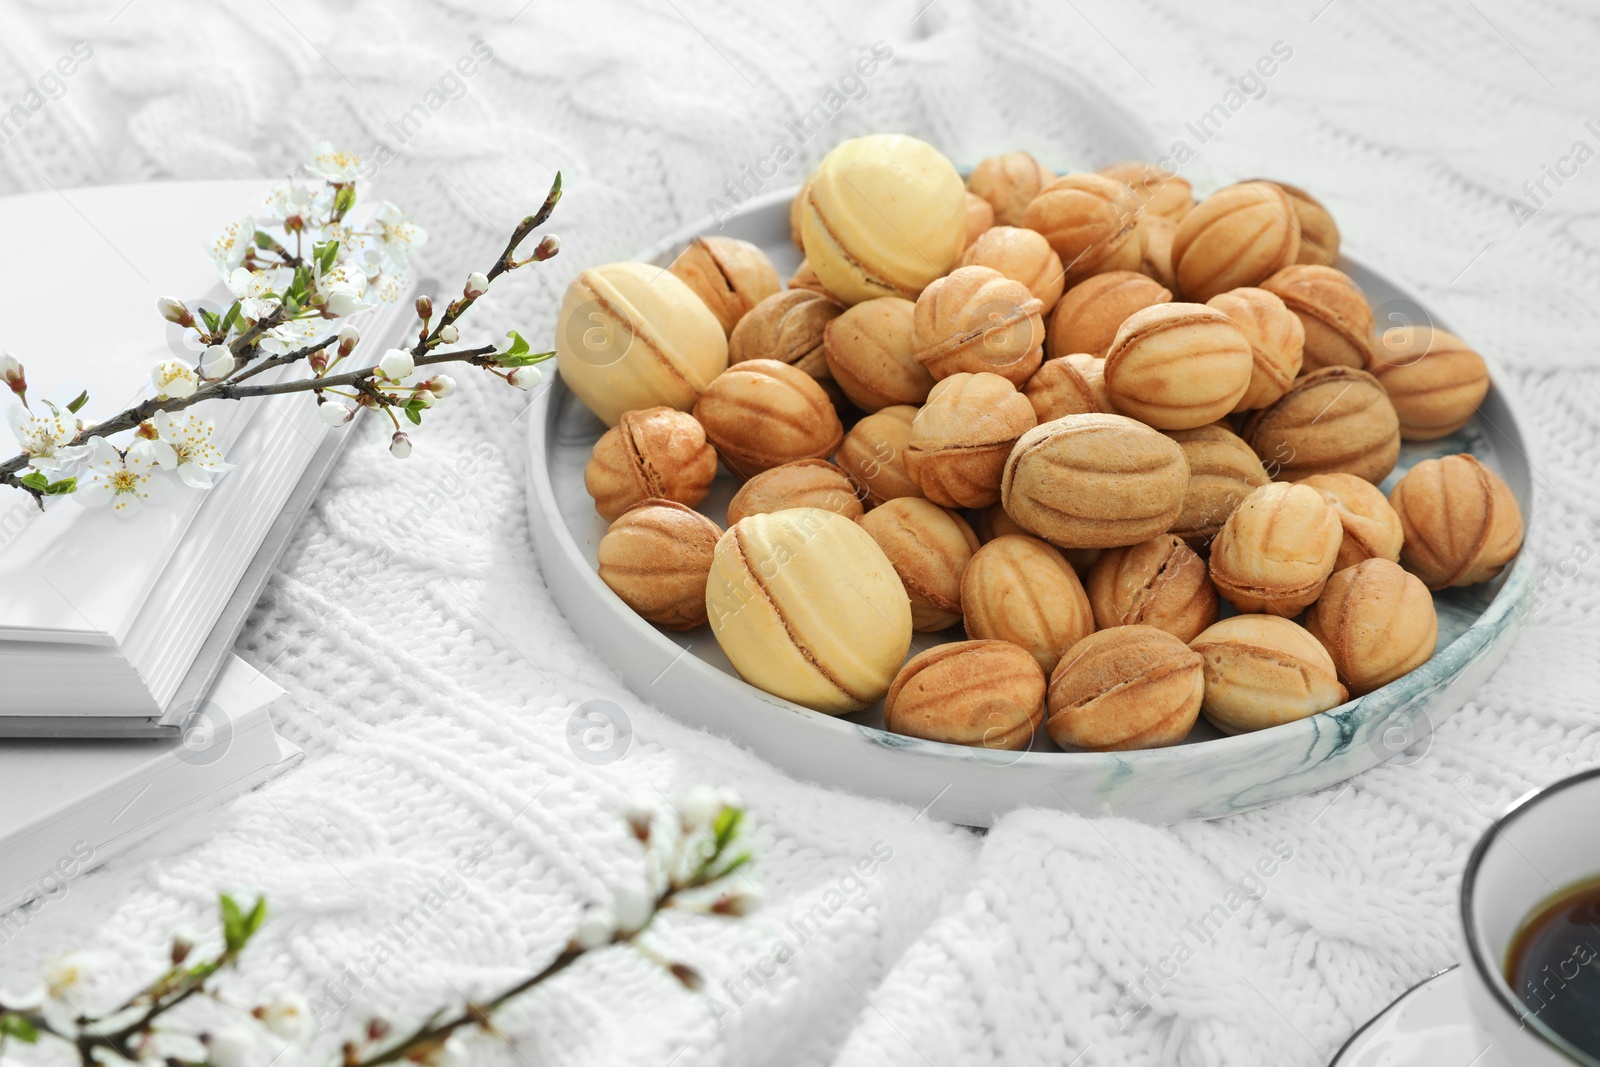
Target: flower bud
633, 908
174, 311
526, 377
343, 301
349, 337
449, 334
334, 413
423, 396
688, 976
424, 308
640, 817
441, 385
477, 284
396, 364
595, 928
217, 362
547, 248
318, 360
11, 371
739, 904
399, 445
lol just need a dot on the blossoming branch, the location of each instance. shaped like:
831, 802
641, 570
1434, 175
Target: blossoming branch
309, 262
692, 854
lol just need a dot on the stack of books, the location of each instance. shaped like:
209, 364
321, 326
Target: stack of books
118, 627
69, 805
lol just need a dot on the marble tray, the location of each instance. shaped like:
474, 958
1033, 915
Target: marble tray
1210, 775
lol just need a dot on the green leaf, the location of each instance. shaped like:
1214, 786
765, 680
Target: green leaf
35, 480
737, 862
344, 199
62, 487
265, 240
19, 1027
210, 318
230, 318
325, 253
233, 924
257, 916
414, 415
726, 826
76, 405
519, 355
519, 345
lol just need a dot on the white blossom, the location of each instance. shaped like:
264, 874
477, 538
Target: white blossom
441, 385
334, 413
71, 974
256, 290
349, 335
227, 249
449, 334
197, 459
477, 284
29, 999
230, 1047
45, 436
290, 336
286, 199
161, 1045
336, 231
398, 234
217, 362
400, 445
124, 482
289, 1017
174, 378
396, 364
385, 288
526, 377
333, 164
700, 805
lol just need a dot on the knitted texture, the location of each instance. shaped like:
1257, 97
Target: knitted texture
432, 679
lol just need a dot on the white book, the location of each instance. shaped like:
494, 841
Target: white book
122, 606
69, 805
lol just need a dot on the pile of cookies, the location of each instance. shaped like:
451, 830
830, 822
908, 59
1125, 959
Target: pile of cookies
1071, 415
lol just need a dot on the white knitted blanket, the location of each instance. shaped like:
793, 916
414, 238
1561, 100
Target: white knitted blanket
432, 679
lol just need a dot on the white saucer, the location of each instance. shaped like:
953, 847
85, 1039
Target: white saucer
1429, 1026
